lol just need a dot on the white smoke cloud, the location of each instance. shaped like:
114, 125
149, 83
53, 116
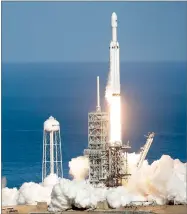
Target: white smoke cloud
79, 194
9, 196
79, 167
163, 180
30, 193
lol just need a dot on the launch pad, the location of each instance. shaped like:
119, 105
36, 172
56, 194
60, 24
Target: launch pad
106, 161
108, 156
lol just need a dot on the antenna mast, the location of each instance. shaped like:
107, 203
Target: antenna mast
98, 107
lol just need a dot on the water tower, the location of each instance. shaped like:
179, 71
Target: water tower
52, 153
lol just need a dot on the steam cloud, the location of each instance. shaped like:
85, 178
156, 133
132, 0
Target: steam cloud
162, 181
79, 167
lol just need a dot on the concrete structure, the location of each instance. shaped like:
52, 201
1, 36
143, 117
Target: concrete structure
52, 153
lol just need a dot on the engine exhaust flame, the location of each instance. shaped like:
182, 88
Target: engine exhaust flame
114, 103
115, 120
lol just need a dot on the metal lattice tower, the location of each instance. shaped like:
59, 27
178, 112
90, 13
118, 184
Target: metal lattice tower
145, 149
115, 166
52, 153
97, 138
125, 174
118, 165
97, 144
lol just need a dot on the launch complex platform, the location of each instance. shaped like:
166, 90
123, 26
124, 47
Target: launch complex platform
102, 208
107, 154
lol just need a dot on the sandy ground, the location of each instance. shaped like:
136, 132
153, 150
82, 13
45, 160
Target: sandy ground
25, 209
168, 209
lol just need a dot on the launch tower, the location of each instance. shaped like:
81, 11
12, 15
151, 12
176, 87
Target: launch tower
97, 144
52, 154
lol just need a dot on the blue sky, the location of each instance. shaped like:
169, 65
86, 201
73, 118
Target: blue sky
80, 31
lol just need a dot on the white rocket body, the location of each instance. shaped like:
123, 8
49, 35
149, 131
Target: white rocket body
115, 103
114, 58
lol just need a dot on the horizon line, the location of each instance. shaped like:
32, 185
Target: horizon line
61, 62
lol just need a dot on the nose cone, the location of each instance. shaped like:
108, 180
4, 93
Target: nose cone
114, 16
114, 20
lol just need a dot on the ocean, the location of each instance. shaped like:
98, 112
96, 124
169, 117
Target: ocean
153, 99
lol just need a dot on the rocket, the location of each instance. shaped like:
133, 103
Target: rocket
114, 58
